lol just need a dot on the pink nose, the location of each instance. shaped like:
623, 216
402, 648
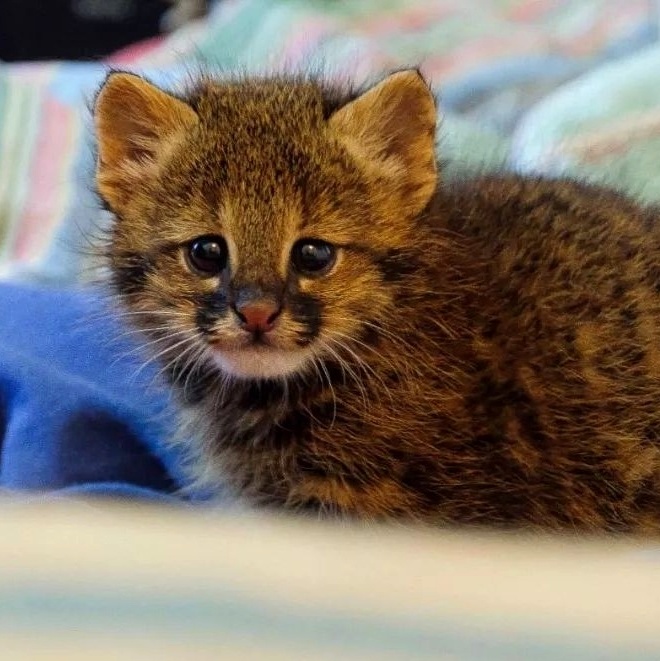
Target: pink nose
258, 317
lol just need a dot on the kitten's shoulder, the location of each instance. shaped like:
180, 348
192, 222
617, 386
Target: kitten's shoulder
501, 188
507, 202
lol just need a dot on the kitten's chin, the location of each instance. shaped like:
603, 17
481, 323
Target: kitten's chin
261, 362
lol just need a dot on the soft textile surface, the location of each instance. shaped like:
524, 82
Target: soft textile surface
492, 61
604, 126
79, 410
129, 584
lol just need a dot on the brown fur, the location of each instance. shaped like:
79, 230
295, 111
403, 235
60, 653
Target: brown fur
495, 343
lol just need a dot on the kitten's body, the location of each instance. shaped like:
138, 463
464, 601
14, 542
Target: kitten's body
494, 346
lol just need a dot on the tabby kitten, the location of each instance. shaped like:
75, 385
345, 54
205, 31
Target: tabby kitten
348, 335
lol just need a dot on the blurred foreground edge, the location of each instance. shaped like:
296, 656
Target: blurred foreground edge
82, 580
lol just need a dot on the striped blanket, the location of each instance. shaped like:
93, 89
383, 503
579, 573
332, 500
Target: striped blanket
91, 582
529, 84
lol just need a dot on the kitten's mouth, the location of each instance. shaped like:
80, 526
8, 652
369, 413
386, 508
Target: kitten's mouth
259, 354
259, 360
260, 340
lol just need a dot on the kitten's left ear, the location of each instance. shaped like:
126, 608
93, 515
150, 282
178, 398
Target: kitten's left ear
135, 123
392, 127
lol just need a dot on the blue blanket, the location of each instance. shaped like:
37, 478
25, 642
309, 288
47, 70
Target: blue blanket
79, 411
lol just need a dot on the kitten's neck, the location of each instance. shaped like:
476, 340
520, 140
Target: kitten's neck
221, 393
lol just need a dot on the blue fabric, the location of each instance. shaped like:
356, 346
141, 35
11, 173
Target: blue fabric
79, 413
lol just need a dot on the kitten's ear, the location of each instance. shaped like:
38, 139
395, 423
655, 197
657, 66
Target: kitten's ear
134, 121
393, 125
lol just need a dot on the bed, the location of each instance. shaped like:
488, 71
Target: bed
100, 555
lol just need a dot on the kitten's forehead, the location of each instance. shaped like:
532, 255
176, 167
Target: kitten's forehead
261, 110
258, 231
260, 141
264, 147
271, 170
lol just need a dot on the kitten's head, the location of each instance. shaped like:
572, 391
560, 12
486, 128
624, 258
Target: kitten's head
260, 223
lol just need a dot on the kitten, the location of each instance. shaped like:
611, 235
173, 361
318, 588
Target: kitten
348, 335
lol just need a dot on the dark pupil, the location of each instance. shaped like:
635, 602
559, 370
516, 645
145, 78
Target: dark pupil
208, 255
313, 256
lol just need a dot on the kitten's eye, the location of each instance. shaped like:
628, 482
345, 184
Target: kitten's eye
207, 255
313, 256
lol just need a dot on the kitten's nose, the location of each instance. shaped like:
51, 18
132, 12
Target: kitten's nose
257, 316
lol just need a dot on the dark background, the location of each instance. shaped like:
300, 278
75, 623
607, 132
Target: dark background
75, 29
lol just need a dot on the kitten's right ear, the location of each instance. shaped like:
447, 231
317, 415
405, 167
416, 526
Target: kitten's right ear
134, 122
392, 126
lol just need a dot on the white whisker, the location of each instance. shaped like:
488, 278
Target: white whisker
155, 357
347, 369
322, 368
145, 345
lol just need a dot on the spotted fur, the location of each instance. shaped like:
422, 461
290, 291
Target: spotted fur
494, 350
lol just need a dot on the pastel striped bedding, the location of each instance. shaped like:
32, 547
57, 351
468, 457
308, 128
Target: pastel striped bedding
495, 64
80, 582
